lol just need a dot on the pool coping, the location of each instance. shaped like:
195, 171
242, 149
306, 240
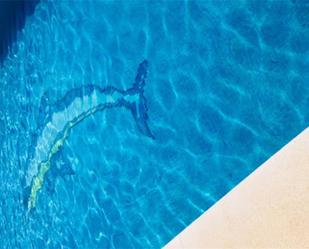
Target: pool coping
268, 209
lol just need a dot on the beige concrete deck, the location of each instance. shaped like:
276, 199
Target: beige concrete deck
269, 209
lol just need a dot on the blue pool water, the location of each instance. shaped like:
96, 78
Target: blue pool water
206, 91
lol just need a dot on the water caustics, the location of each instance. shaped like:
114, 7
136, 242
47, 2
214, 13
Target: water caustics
73, 108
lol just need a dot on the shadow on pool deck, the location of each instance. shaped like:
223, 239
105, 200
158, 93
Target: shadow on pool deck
13, 14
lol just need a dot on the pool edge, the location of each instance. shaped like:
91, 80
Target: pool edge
268, 209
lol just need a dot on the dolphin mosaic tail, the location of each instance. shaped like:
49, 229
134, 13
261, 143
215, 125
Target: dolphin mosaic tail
72, 109
139, 109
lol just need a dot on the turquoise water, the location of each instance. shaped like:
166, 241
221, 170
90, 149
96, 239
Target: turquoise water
218, 87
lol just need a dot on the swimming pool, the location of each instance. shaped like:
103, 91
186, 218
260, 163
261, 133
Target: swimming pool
226, 87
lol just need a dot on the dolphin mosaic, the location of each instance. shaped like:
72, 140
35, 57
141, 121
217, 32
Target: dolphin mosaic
72, 109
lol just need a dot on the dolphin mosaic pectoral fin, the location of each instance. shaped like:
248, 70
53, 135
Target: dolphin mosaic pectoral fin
76, 105
60, 167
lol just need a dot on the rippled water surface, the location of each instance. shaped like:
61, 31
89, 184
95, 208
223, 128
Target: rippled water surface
226, 87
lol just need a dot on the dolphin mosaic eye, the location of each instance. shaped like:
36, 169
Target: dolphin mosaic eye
73, 108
